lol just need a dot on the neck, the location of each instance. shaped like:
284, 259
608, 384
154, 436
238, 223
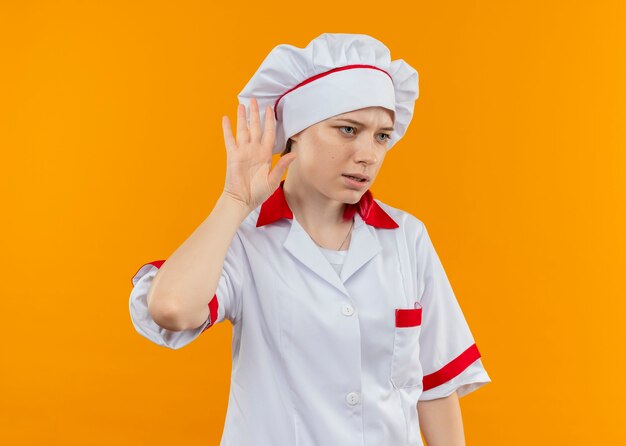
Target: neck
312, 207
320, 216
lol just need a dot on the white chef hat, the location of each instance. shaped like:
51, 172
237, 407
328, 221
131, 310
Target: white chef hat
333, 74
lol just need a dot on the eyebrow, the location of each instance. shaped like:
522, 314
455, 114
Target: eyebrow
352, 121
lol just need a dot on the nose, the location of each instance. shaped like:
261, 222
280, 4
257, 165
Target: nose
367, 151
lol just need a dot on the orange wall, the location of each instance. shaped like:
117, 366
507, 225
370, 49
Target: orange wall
112, 154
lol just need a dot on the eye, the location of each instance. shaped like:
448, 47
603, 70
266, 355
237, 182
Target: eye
347, 127
386, 137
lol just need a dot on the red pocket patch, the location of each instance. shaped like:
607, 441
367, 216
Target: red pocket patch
408, 317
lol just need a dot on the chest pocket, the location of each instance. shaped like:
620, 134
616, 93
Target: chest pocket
406, 369
405, 364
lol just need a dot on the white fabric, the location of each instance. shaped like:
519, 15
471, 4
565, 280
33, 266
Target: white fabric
304, 86
335, 257
339, 92
317, 358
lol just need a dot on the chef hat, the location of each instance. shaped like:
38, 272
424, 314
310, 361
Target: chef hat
333, 74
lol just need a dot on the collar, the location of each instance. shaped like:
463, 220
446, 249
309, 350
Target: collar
276, 207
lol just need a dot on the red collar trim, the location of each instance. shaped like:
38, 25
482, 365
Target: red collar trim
276, 207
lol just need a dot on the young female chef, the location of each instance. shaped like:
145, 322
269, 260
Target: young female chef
343, 317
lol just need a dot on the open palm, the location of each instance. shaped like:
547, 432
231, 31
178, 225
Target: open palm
250, 178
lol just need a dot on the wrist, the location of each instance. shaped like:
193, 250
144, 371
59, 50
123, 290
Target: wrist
235, 204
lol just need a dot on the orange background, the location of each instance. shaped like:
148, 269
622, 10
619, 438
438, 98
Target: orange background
112, 154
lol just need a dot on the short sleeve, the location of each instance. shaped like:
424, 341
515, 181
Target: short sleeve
224, 304
449, 356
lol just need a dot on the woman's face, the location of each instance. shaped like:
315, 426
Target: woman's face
350, 143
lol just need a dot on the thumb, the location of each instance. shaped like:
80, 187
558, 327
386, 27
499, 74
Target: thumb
279, 169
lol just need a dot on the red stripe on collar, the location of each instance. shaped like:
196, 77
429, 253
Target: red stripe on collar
276, 207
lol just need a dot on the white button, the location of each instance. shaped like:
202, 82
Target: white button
347, 310
353, 398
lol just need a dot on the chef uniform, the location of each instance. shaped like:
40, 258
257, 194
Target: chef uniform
331, 347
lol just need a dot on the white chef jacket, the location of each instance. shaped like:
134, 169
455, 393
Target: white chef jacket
324, 357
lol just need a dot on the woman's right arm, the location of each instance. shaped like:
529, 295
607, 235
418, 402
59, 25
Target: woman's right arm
180, 291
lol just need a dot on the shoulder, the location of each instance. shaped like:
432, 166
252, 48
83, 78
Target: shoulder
408, 223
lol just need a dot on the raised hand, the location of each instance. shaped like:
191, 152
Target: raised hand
249, 177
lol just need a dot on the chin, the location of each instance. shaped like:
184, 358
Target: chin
354, 196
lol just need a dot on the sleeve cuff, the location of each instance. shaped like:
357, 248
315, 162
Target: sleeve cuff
471, 378
143, 322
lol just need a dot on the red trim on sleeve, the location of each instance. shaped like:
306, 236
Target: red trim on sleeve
451, 369
408, 317
213, 305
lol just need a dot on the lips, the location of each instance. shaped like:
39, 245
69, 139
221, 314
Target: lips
357, 177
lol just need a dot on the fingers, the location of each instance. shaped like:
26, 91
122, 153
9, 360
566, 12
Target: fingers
252, 133
279, 169
242, 125
255, 121
269, 129
229, 140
